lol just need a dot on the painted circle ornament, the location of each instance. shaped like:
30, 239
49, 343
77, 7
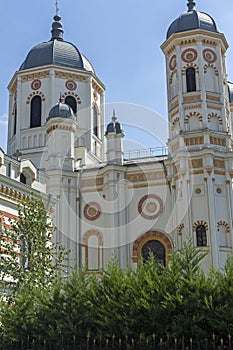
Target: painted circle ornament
209, 55
92, 211
150, 206
189, 55
172, 62
36, 84
71, 85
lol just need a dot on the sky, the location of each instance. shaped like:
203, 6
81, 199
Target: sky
122, 40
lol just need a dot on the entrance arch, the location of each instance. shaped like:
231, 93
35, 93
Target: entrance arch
152, 241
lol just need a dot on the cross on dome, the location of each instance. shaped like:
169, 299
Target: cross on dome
191, 4
57, 30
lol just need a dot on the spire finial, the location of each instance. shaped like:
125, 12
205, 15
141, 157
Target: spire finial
57, 8
60, 99
57, 30
191, 5
114, 118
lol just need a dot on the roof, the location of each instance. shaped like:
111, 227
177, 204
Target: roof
61, 110
114, 126
192, 19
57, 52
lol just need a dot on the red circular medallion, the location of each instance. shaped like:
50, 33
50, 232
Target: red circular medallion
189, 55
209, 55
92, 211
150, 206
36, 84
172, 62
71, 85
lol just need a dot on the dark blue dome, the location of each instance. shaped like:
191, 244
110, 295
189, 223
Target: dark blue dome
191, 20
114, 126
56, 52
61, 110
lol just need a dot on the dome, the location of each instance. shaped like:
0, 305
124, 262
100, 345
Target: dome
114, 126
191, 20
61, 110
56, 52
230, 91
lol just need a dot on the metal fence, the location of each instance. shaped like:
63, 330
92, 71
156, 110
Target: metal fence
116, 343
146, 153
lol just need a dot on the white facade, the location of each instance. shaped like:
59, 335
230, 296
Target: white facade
108, 205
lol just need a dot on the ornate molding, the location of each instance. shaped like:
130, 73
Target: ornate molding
224, 224
35, 76
33, 94
68, 76
151, 235
202, 223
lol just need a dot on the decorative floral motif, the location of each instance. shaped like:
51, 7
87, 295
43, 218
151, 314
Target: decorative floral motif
150, 206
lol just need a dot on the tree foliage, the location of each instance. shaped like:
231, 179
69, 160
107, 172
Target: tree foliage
170, 302
28, 257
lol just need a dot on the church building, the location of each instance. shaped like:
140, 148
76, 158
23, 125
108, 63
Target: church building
107, 204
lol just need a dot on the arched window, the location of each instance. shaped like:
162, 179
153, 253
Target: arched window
71, 101
23, 178
157, 249
191, 79
35, 117
15, 119
93, 244
95, 121
201, 236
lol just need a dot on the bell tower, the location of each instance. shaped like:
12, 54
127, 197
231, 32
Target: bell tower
196, 82
199, 130
51, 69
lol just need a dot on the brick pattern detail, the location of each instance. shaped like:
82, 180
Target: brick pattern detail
215, 115
200, 222
172, 75
73, 94
180, 229
90, 233
225, 224
210, 65
33, 94
193, 114
175, 122
190, 65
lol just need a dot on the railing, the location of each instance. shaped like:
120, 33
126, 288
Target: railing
124, 343
146, 153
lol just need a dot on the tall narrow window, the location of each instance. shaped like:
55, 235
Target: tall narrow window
35, 117
157, 249
71, 101
201, 236
23, 178
95, 121
191, 79
15, 119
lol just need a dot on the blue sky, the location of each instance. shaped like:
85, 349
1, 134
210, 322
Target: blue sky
122, 40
